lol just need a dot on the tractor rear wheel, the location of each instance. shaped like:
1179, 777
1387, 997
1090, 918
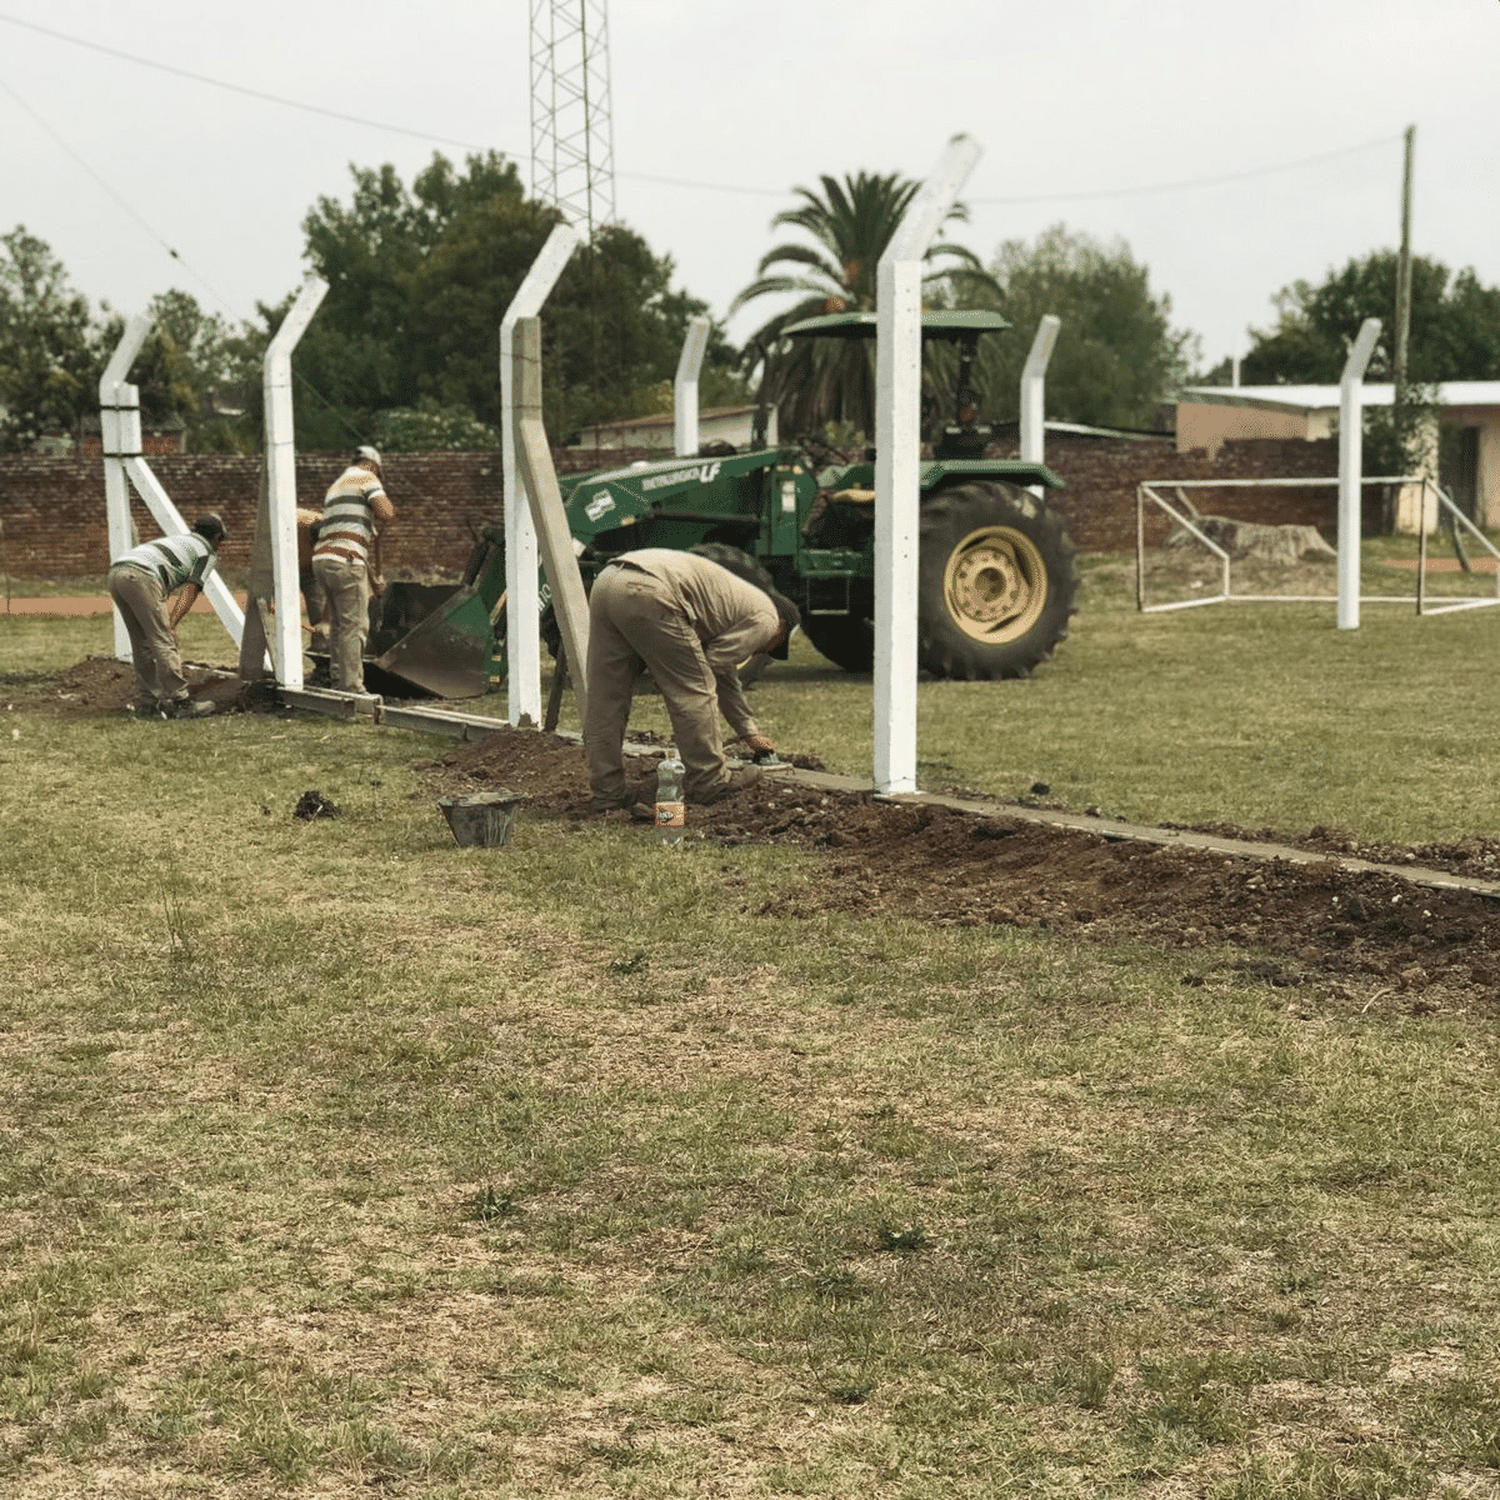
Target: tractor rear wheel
997, 578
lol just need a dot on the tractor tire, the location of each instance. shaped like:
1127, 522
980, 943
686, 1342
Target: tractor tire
848, 641
997, 579
742, 565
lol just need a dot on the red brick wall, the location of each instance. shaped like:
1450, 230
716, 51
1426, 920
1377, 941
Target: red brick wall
52, 507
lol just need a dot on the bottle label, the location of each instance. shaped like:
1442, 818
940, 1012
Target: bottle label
671, 815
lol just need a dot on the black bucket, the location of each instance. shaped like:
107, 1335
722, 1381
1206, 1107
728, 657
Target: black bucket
482, 820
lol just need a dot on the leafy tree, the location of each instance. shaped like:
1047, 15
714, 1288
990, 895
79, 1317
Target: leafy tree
429, 425
195, 366
50, 350
1454, 334
419, 281
1454, 331
615, 330
814, 382
1117, 356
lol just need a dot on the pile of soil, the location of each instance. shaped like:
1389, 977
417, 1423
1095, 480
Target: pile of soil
1368, 939
101, 684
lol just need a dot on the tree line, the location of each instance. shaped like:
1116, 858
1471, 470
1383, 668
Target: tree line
403, 351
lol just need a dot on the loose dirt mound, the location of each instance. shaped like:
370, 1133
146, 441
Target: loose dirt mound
1387, 942
100, 684
1368, 940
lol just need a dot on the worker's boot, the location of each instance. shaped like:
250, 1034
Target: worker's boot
189, 708
734, 783
627, 799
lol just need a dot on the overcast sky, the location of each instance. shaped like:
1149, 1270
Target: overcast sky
1233, 146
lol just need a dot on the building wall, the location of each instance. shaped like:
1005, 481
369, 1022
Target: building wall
1209, 424
1487, 480
52, 506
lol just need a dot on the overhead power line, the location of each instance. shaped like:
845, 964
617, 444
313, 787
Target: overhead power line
1193, 183
238, 88
124, 203
691, 184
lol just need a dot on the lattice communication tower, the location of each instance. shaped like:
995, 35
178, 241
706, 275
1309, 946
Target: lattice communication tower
572, 139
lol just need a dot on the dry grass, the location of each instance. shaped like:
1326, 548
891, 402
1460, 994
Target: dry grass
336, 1160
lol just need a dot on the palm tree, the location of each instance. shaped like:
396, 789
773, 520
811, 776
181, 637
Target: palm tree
815, 382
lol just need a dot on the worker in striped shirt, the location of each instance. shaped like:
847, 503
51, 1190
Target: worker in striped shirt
140, 582
346, 562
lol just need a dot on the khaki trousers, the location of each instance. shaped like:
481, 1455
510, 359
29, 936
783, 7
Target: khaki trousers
635, 627
347, 587
153, 647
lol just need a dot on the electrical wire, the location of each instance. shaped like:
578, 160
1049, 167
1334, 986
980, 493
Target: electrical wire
1194, 183
1080, 195
127, 207
123, 203
236, 88
330, 406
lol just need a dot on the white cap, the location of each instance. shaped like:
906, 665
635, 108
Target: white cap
368, 453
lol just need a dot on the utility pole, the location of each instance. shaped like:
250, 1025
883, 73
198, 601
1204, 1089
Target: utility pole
1403, 275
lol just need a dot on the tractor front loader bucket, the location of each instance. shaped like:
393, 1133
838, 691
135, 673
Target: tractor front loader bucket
448, 653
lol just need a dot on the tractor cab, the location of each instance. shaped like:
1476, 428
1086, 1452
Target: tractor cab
962, 437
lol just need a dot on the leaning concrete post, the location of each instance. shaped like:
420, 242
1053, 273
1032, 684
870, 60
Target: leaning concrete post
1351, 432
120, 424
548, 517
898, 440
685, 389
523, 648
120, 431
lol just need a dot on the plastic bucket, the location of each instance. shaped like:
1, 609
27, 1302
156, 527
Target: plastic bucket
482, 820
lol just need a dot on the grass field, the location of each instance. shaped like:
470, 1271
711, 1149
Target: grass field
338, 1160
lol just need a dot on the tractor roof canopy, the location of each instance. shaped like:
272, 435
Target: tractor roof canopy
949, 325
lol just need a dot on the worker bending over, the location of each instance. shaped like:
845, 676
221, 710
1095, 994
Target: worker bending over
690, 623
140, 582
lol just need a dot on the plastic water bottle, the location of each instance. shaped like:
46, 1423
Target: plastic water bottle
671, 816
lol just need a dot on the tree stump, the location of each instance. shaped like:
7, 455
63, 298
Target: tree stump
1285, 545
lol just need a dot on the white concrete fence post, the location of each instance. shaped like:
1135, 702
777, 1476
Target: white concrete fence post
281, 482
1351, 472
898, 438
1034, 396
685, 389
120, 432
523, 641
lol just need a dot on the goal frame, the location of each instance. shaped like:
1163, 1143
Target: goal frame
1150, 490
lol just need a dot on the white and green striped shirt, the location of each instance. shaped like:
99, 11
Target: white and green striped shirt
175, 560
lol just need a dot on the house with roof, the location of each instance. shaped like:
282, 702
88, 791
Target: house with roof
1467, 444
716, 424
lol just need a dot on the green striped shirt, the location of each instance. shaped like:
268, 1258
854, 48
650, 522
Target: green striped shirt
175, 560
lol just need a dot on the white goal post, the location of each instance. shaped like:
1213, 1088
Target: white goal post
1184, 516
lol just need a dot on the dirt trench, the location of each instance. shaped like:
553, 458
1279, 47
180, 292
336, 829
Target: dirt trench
1325, 934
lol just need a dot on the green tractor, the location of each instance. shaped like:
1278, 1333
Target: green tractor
997, 573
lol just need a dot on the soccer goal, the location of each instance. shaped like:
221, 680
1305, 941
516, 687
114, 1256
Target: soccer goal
1215, 567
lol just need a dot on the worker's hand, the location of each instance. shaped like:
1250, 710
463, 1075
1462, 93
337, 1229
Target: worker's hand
761, 744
